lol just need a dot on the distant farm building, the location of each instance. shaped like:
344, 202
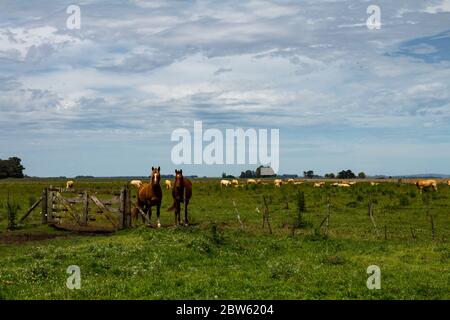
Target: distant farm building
266, 172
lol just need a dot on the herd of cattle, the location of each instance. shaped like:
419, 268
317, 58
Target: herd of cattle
149, 194
421, 184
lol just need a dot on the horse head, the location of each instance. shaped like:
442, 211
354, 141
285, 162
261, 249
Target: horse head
156, 176
179, 180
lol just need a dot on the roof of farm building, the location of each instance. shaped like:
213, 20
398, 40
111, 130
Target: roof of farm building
267, 171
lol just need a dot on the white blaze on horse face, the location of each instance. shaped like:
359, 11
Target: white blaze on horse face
181, 152
216, 147
274, 159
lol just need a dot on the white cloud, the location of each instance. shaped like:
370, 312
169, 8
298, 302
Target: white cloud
22, 40
442, 7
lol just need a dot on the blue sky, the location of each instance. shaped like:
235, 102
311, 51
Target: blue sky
104, 99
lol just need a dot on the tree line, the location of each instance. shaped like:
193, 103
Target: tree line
11, 168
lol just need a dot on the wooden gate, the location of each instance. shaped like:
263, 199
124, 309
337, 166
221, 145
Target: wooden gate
83, 207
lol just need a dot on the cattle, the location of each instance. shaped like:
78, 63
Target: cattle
352, 183
225, 183
374, 183
291, 181
235, 182
426, 184
344, 185
69, 184
278, 183
298, 182
319, 184
136, 183
251, 181
168, 184
341, 184
448, 182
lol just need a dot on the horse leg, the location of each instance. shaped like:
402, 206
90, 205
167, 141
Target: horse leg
175, 212
157, 215
186, 222
178, 213
149, 214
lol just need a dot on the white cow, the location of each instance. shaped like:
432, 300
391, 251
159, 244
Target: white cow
278, 183
225, 183
136, 183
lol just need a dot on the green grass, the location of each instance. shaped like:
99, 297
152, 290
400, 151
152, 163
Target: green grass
216, 259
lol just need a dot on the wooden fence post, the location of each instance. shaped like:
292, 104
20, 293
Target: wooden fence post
128, 207
85, 216
125, 208
44, 206
122, 208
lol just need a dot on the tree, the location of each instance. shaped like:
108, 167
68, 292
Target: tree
248, 174
308, 174
346, 174
330, 176
11, 168
361, 175
224, 175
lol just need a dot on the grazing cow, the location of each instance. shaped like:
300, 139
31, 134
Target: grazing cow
426, 184
168, 184
150, 195
136, 183
319, 184
251, 181
298, 182
344, 185
69, 184
374, 183
352, 183
259, 181
291, 181
448, 182
181, 193
278, 183
225, 183
235, 182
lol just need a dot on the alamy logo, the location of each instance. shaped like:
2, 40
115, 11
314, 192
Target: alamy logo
74, 20
374, 280
74, 280
232, 150
374, 20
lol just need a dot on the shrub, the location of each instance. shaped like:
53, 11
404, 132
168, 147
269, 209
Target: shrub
11, 210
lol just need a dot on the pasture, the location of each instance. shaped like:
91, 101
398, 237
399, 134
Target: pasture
220, 256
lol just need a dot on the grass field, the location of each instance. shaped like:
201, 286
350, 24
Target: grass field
215, 258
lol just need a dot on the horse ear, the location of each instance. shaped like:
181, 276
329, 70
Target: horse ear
153, 168
159, 169
181, 170
176, 171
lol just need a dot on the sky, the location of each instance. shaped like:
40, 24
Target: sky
104, 99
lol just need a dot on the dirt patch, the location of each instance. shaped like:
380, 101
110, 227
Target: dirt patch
10, 238
84, 230
70, 231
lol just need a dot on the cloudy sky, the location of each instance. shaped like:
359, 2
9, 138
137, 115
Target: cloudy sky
104, 99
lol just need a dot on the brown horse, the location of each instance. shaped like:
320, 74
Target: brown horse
149, 195
181, 193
